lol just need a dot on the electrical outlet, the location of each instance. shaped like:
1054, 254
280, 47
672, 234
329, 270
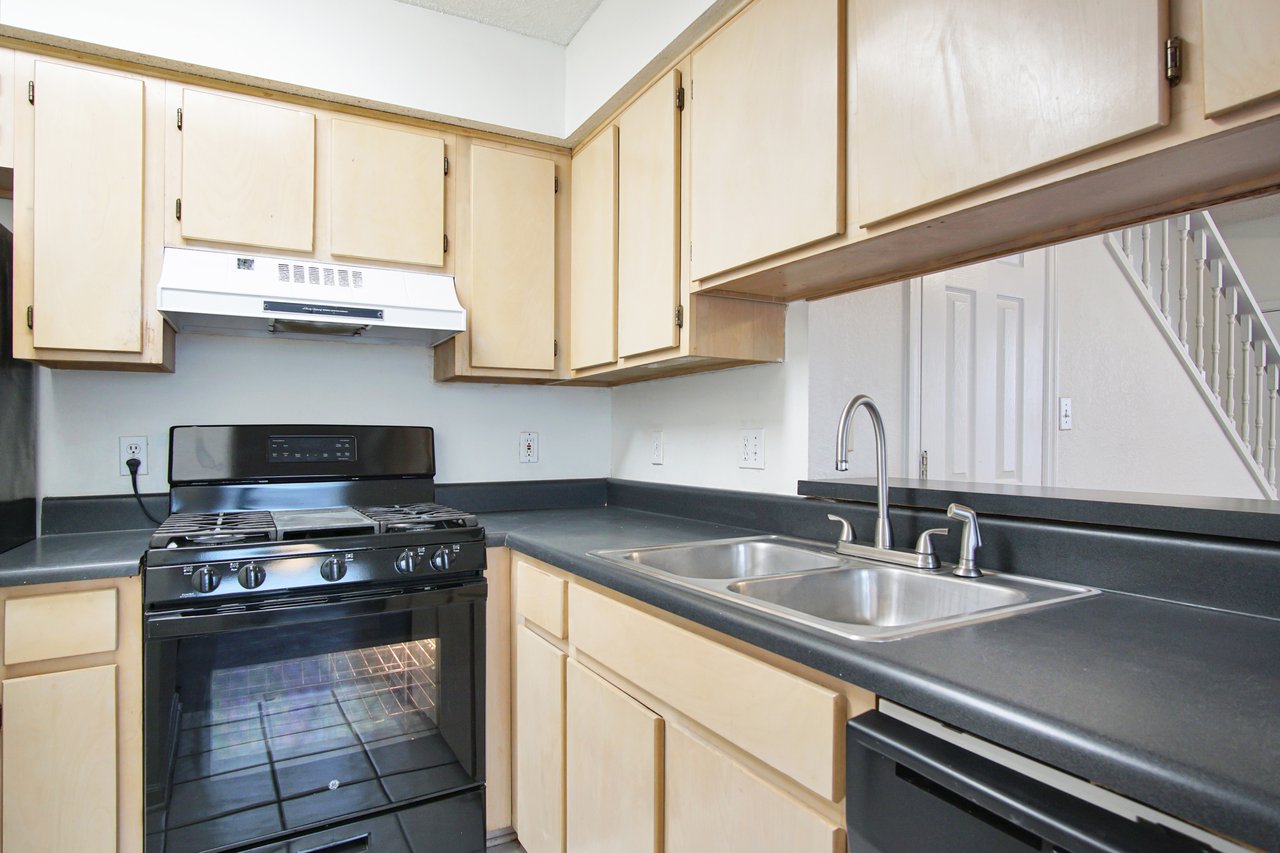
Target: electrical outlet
752, 450
528, 447
1064, 413
655, 447
133, 447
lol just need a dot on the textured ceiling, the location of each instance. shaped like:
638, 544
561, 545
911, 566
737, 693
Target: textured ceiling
550, 20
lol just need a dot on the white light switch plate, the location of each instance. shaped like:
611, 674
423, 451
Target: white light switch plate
1064, 413
655, 447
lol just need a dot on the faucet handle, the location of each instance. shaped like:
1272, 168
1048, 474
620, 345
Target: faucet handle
970, 539
846, 529
924, 547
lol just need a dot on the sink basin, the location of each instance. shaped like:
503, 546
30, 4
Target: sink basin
726, 559
810, 584
878, 596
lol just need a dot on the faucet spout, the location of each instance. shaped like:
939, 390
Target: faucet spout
884, 538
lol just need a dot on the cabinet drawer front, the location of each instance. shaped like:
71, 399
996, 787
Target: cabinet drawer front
715, 804
785, 721
57, 626
540, 599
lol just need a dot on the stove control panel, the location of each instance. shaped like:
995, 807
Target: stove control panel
323, 570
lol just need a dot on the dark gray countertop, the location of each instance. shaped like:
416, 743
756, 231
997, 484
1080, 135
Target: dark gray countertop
1172, 705
74, 557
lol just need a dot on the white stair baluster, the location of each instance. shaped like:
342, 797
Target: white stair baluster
1202, 270
1259, 421
1233, 320
1164, 270
1271, 442
1145, 233
1184, 264
1126, 243
1216, 350
1246, 379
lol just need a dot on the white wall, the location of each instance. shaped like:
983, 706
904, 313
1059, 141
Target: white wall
1139, 423
618, 40
253, 380
858, 345
377, 50
700, 417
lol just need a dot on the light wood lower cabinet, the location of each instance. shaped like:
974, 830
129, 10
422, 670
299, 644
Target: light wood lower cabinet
539, 737
60, 761
613, 768
633, 733
716, 804
71, 682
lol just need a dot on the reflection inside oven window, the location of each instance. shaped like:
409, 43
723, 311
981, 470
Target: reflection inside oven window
283, 744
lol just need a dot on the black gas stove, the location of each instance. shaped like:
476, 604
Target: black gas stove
314, 658
312, 513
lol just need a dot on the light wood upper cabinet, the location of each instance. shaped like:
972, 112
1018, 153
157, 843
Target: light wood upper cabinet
613, 768
767, 133
1241, 62
510, 280
958, 94
386, 193
88, 209
539, 737
649, 220
594, 310
8, 88
713, 803
248, 172
59, 764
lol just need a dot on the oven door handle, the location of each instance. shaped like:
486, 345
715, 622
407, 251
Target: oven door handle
177, 625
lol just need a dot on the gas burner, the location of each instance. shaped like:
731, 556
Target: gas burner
401, 518
194, 529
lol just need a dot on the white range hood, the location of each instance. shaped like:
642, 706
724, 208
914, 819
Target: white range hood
208, 292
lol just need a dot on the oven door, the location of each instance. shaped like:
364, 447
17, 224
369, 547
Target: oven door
271, 721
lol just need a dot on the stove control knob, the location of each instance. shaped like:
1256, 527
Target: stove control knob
407, 562
205, 579
333, 569
440, 560
252, 575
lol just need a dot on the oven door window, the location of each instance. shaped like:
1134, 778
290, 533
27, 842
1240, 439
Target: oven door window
280, 728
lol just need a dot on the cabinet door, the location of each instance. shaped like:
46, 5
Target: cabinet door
593, 269
60, 762
387, 194
712, 803
767, 126
87, 208
539, 732
8, 83
1241, 63
649, 220
613, 768
511, 303
953, 95
248, 172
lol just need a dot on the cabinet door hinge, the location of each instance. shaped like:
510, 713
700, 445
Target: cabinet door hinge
680, 98
177, 209
924, 465
31, 91
31, 317
555, 348
179, 118
556, 185
446, 165
1173, 61
446, 244
679, 316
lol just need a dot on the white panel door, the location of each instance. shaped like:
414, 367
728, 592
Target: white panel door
982, 371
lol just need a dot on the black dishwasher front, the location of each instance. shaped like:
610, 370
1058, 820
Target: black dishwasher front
910, 791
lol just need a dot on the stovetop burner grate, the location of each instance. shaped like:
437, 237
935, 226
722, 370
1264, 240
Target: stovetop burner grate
396, 518
192, 529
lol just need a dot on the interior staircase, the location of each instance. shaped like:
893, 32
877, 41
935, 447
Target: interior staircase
1183, 272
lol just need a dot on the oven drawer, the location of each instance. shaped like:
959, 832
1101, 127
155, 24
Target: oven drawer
540, 598
450, 825
42, 627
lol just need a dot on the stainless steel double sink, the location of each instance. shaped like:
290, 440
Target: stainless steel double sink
859, 599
